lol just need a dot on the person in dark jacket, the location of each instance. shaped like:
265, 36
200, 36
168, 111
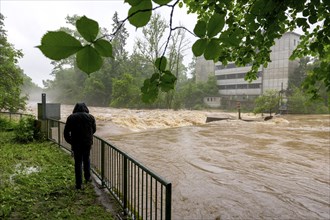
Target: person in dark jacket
78, 131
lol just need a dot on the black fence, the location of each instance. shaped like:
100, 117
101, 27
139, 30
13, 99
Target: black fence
141, 193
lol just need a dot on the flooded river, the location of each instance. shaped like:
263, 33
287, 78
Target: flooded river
229, 169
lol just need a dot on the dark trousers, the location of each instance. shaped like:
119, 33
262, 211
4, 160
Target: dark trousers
81, 160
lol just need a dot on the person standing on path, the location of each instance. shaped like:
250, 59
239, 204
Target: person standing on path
78, 131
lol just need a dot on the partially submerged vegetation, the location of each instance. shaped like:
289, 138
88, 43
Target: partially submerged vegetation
37, 181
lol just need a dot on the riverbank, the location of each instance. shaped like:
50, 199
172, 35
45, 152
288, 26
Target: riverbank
37, 181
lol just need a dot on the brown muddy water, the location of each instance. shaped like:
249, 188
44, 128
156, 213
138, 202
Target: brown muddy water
229, 169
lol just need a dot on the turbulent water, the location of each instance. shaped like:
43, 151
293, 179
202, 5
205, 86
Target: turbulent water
229, 169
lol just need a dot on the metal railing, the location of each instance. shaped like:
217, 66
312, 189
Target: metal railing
14, 115
141, 193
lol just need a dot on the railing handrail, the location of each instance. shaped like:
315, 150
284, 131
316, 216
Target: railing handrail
17, 113
151, 172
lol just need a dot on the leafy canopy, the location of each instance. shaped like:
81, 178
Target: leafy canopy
11, 76
240, 31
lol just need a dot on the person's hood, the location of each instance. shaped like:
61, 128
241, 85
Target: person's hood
80, 107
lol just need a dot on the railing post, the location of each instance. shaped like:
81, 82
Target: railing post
59, 133
125, 198
168, 201
47, 129
102, 162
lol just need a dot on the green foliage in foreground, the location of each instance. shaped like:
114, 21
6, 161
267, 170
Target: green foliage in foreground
241, 31
37, 182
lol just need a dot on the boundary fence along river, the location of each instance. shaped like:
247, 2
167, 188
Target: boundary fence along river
141, 192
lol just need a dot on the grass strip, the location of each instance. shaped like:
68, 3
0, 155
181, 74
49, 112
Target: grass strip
37, 182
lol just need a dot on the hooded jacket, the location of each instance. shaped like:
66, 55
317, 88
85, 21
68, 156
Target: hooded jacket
80, 127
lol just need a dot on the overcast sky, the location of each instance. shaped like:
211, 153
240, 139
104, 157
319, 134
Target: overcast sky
27, 21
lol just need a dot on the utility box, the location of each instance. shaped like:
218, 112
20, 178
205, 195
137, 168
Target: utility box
51, 110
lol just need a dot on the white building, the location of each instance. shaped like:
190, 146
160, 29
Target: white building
230, 79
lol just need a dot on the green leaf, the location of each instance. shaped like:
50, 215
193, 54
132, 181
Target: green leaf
230, 40
88, 28
149, 91
301, 22
58, 45
259, 7
103, 47
215, 25
212, 50
162, 2
306, 12
88, 60
167, 81
262, 7
198, 47
139, 15
133, 2
155, 77
200, 29
314, 46
161, 63
251, 24
312, 19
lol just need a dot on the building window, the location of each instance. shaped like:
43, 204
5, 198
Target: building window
254, 86
231, 87
235, 76
240, 75
242, 86
231, 76
219, 67
221, 77
231, 65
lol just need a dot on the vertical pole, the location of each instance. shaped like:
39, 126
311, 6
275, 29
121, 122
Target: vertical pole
168, 201
42, 114
43, 104
102, 162
239, 109
125, 183
47, 129
59, 133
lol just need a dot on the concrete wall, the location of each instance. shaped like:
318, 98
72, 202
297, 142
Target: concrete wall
213, 102
204, 68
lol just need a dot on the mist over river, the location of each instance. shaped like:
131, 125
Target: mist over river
229, 169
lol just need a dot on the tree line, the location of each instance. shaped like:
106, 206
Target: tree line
118, 82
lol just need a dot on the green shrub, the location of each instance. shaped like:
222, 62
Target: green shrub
27, 130
6, 124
